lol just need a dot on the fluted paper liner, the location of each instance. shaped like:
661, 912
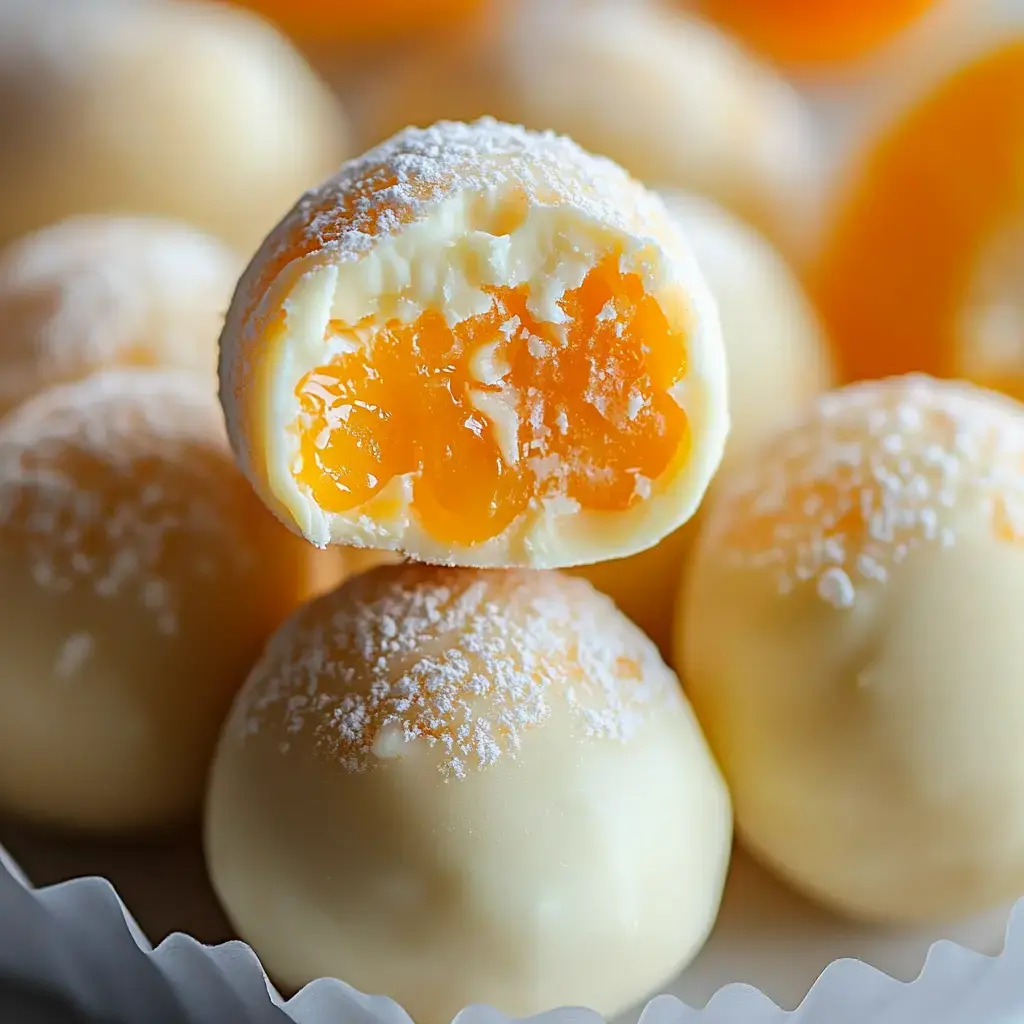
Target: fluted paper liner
77, 942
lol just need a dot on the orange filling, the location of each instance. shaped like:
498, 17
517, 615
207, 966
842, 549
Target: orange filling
898, 269
501, 411
810, 32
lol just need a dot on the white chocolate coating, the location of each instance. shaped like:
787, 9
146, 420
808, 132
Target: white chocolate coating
96, 291
851, 644
434, 220
139, 577
778, 363
452, 786
668, 97
194, 111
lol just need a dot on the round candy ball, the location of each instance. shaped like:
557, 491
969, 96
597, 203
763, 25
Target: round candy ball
461, 785
188, 110
98, 291
674, 101
139, 579
850, 641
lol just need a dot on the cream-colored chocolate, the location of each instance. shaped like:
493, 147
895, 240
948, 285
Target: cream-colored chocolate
191, 110
139, 578
778, 361
432, 223
94, 292
775, 348
850, 640
674, 101
456, 785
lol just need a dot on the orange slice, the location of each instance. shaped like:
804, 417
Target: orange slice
815, 32
477, 345
923, 265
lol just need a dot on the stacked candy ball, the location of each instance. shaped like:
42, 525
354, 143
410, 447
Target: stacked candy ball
139, 575
474, 780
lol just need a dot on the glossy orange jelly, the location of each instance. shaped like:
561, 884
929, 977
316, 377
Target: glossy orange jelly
502, 410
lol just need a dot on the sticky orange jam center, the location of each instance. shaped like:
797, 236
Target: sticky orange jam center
501, 412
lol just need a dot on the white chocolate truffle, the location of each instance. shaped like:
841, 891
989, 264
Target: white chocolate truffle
139, 578
477, 345
851, 643
778, 362
94, 292
776, 351
456, 785
674, 101
195, 111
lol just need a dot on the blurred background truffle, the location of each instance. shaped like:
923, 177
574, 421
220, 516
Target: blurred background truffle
779, 361
190, 110
97, 291
672, 99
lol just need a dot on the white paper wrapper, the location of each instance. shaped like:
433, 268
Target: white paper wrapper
78, 943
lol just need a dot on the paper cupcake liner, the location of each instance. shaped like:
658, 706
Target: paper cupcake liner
77, 944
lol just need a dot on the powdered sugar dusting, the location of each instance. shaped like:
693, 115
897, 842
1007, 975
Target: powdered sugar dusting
467, 660
76, 650
532, 235
121, 484
94, 290
405, 177
44, 60
874, 472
